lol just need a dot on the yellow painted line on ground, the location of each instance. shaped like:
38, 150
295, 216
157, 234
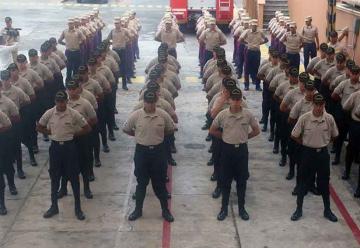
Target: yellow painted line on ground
192, 79
141, 6
138, 80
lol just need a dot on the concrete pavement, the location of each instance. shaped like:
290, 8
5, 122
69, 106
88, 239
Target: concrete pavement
269, 200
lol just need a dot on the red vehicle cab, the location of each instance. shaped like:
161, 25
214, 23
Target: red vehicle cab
188, 11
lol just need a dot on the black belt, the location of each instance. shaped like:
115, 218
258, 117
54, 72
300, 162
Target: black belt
62, 142
151, 147
318, 150
237, 146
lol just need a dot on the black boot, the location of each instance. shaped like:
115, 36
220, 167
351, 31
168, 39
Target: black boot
217, 192
11, 183
52, 211
282, 162
124, 85
264, 129
106, 148
297, 214
3, 210
32, 157
271, 137
136, 214
87, 192
111, 136
243, 214
276, 149
223, 213
210, 162
79, 214
165, 211
328, 214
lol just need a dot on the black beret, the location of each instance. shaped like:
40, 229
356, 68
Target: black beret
294, 72
330, 50
323, 47
340, 57
12, 66
318, 99
44, 47
236, 94
149, 96
76, 77
82, 69
72, 84
61, 96
350, 63
304, 77
8, 19
4, 75
221, 62
228, 83
153, 86
283, 57
101, 47
162, 58
159, 67
92, 61
309, 85
154, 74
355, 69
21, 58
226, 70
32, 53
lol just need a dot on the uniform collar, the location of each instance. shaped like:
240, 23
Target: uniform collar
151, 115
238, 115
320, 119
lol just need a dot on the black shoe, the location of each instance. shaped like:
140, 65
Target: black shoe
13, 190
282, 162
333, 150
125, 87
217, 192
296, 215
330, 216
290, 175
213, 177
261, 121
167, 215
336, 161
129, 81
33, 162
135, 215
79, 214
88, 194
116, 111
52, 211
97, 163
357, 193
258, 88
276, 150
3, 210
211, 162
295, 191
222, 215
106, 149
345, 176
208, 138
133, 196
246, 88
46, 138
173, 149
112, 137
115, 127
61, 193
314, 190
172, 162
210, 150
239, 76
264, 129
271, 137
205, 127
243, 214
35, 149
21, 174
92, 178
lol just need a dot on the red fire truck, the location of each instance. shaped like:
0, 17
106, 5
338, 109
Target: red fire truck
188, 11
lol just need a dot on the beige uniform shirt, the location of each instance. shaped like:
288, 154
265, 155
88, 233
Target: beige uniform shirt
60, 54
312, 63
119, 38
33, 77
43, 71
337, 81
284, 88
8, 106
111, 63
278, 79
104, 70
301, 107
316, 132
322, 66
84, 107
93, 86
58, 60
4, 120
272, 73
114, 55
149, 128
293, 42
62, 125
212, 39
171, 37
161, 103
24, 84
235, 125
309, 33
352, 104
17, 96
345, 89
90, 97
292, 96
253, 39
101, 79
171, 60
331, 74
73, 39
50, 64
164, 93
